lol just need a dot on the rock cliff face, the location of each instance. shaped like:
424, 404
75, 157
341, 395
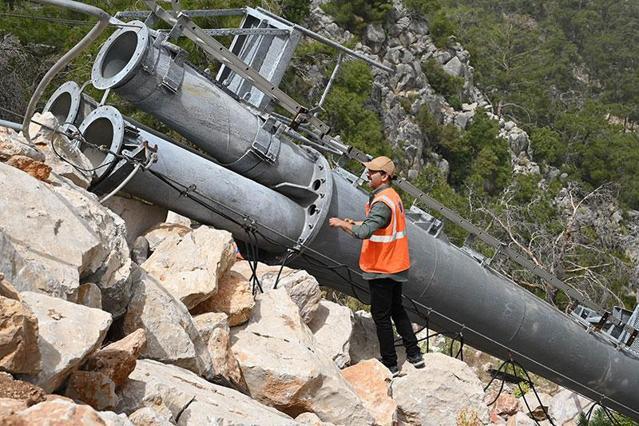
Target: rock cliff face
88, 337
403, 42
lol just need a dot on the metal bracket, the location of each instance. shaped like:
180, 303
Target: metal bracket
268, 152
172, 80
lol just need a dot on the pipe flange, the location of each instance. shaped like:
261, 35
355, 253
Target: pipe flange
103, 127
317, 211
120, 43
68, 93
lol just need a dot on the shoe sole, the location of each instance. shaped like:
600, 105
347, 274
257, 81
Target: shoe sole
419, 364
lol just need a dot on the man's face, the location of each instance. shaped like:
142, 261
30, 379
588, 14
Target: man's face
375, 178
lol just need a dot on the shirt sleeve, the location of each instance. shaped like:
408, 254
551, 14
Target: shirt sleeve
379, 217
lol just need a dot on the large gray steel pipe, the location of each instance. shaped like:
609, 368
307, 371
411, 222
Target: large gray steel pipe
105, 127
151, 75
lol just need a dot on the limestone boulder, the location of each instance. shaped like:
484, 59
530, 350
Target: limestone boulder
147, 416
189, 267
538, 404
311, 419
371, 381
190, 400
106, 370
59, 411
363, 344
93, 388
14, 144
61, 235
234, 297
176, 218
110, 266
27, 273
117, 360
171, 335
520, 419
138, 216
567, 405
332, 326
215, 331
284, 368
158, 233
445, 389
68, 334
19, 351
505, 406
301, 286
113, 419
90, 295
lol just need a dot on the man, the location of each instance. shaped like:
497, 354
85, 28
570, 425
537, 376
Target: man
385, 261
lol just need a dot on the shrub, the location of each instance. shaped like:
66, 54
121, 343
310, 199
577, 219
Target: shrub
447, 85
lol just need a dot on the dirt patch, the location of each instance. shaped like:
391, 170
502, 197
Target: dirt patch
17, 389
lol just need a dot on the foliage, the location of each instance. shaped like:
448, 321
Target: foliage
447, 85
600, 418
355, 15
346, 110
441, 27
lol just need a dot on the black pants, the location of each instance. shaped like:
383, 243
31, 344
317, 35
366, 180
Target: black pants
386, 303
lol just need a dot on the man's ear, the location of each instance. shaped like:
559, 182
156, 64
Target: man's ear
386, 178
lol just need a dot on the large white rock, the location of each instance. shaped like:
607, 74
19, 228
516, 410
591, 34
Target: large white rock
283, 367
332, 326
109, 266
61, 234
216, 333
189, 267
234, 297
438, 393
19, 351
567, 405
371, 380
138, 216
364, 344
171, 335
301, 286
68, 334
159, 233
191, 400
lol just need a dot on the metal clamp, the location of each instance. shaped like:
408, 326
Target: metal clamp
174, 75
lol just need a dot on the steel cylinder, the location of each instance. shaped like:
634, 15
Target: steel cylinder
69, 105
152, 75
207, 182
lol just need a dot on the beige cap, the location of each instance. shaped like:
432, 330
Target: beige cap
383, 164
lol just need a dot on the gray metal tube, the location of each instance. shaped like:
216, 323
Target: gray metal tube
148, 74
89, 38
69, 104
242, 197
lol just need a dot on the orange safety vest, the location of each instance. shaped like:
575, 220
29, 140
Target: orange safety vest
386, 251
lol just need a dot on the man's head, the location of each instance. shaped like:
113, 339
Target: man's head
380, 171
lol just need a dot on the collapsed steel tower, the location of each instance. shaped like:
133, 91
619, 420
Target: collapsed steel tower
253, 173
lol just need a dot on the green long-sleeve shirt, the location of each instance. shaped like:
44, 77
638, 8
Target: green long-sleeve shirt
378, 217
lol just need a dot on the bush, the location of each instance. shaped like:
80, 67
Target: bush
447, 85
347, 113
356, 15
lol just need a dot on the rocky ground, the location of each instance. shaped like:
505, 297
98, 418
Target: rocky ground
128, 314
